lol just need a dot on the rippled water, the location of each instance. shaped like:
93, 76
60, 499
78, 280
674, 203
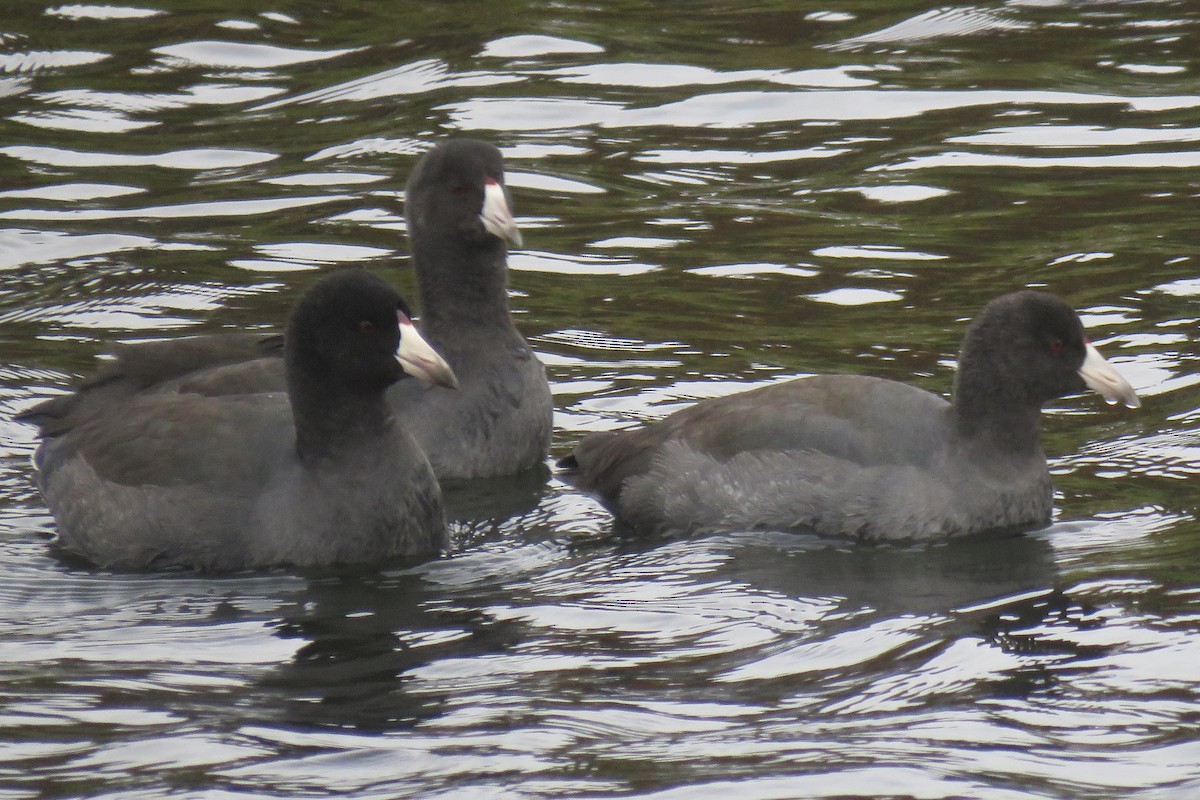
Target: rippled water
712, 195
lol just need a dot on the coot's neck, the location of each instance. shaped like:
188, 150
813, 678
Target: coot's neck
994, 413
333, 420
463, 285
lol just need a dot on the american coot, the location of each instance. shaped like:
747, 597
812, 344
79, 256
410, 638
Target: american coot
860, 457
499, 421
322, 474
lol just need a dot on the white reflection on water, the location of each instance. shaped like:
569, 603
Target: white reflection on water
294, 256
751, 270
881, 252
68, 192
532, 45
192, 158
149, 103
86, 120
240, 55
224, 208
325, 179
549, 183
48, 59
851, 296
86, 11
418, 77
581, 263
938, 23
899, 194
1077, 136
1116, 161
667, 75
726, 157
18, 247
745, 108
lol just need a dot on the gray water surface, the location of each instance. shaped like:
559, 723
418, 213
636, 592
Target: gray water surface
712, 196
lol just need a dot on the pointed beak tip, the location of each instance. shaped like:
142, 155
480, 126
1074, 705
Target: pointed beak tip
1102, 378
418, 358
1116, 392
436, 373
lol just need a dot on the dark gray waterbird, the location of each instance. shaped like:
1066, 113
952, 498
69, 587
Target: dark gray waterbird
459, 220
860, 457
142, 469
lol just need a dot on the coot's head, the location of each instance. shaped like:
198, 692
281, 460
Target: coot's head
352, 330
457, 189
1031, 346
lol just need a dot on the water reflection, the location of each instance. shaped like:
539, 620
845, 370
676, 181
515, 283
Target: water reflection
478, 506
359, 636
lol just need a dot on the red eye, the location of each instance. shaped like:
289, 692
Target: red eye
1056, 346
458, 189
366, 326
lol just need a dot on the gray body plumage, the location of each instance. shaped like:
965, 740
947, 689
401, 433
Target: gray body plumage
215, 484
941, 496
